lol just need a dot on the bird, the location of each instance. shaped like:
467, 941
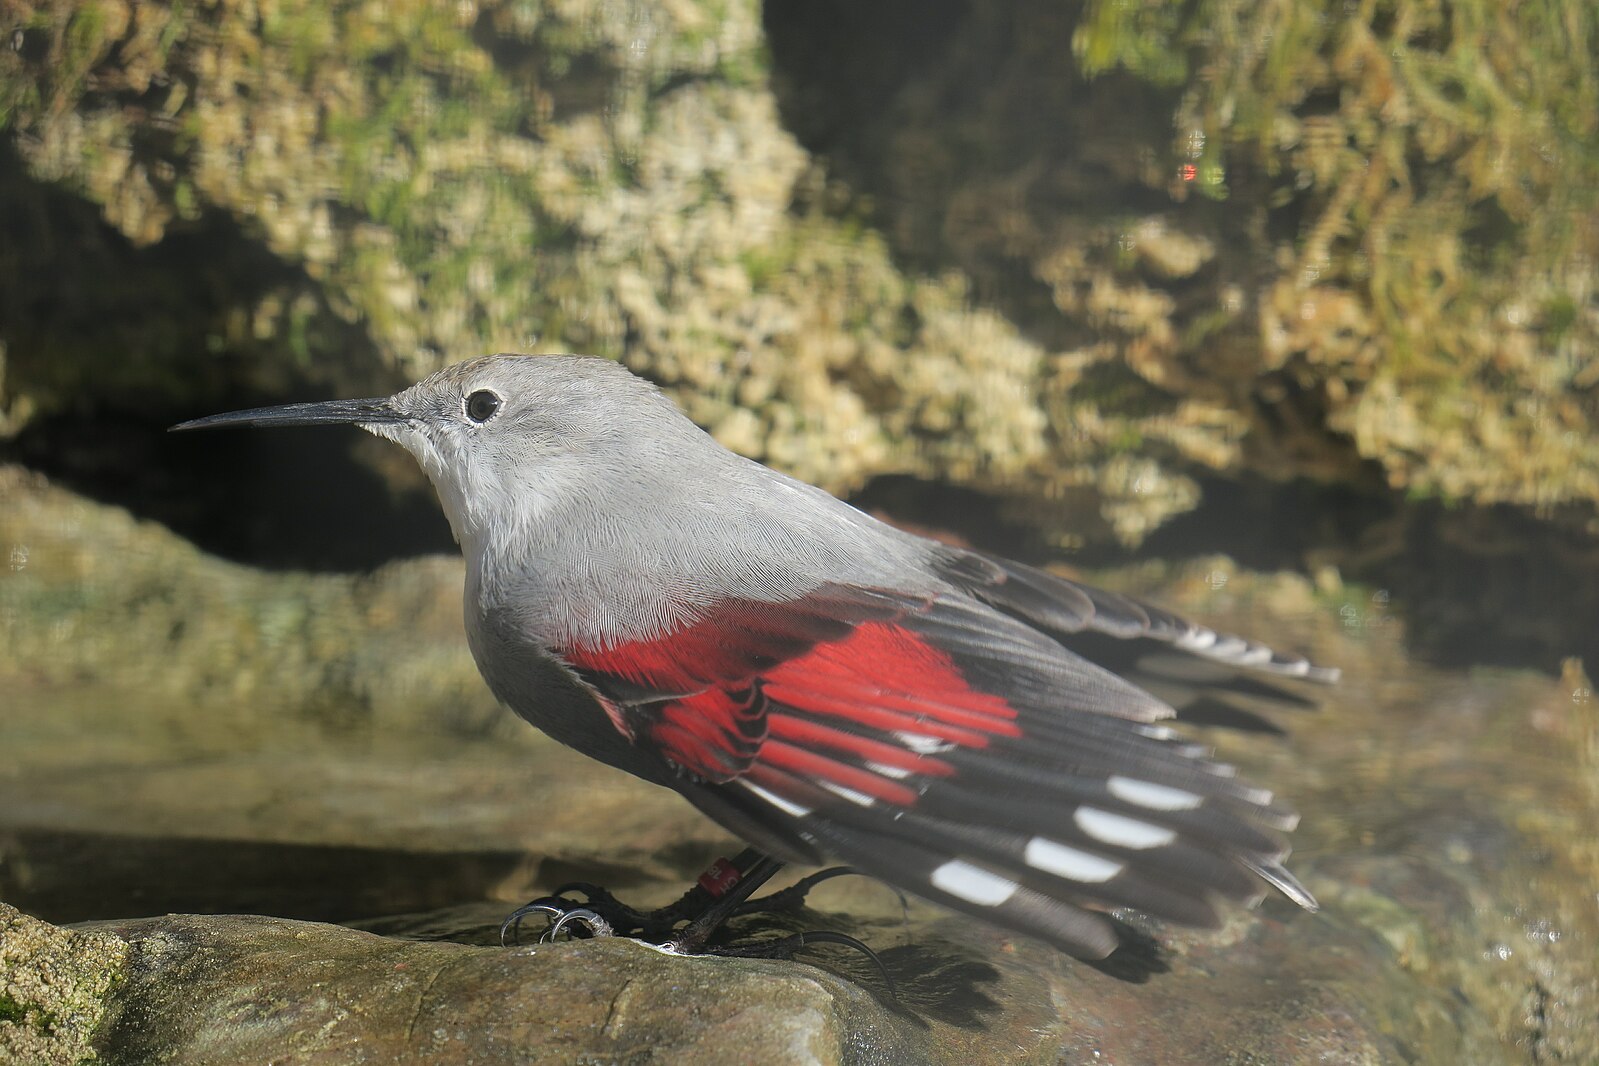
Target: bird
975, 731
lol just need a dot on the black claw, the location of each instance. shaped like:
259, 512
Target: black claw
597, 925
559, 911
794, 895
511, 928
622, 918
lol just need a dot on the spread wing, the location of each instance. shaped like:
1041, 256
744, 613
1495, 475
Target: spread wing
952, 746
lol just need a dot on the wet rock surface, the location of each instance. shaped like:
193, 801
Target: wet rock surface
240, 989
1446, 830
55, 985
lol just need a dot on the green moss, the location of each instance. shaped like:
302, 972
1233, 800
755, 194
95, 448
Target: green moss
1559, 315
764, 264
1206, 325
85, 36
749, 67
1145, 38
13, 1012
1374, 200
1435, 163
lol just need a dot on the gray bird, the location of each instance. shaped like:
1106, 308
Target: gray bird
975, 731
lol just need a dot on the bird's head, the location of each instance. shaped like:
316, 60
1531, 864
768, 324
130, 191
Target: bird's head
505, 437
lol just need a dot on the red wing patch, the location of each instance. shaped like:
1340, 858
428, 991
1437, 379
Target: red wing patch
886, 677
857, 702
714, 734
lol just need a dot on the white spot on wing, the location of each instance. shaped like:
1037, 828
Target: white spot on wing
897, 773
1121, 831
1062, 861
786, 806
1229, 647
973, 883
1148, 794
860, 799
922, 744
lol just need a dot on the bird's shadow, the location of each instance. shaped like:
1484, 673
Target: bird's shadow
929, 979
1138, 955
932, 977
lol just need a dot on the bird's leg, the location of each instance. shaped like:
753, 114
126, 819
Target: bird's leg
733, 894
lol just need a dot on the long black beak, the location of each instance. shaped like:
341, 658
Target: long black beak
376, 410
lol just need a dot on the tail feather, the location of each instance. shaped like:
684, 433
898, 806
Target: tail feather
1179, 766
1277, 875
1099, 812
1039, 851
972, 887
1055, 604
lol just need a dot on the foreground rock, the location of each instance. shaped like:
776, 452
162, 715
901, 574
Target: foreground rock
230, 988
250, 989
54, 989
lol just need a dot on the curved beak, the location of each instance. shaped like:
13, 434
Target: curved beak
374, 411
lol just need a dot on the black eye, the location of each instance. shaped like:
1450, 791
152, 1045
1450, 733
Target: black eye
482, 405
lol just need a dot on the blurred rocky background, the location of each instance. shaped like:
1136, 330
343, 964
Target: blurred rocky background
1326, 269
1171, 288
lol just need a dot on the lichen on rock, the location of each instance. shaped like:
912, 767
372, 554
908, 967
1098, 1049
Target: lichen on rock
1287, 240
54, 988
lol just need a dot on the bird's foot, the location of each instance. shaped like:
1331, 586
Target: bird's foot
585, 910
690, 924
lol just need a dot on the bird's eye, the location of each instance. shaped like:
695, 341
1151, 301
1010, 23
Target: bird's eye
482, 405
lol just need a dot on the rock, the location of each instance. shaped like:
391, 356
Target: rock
55, 987
243, 989
1000, 283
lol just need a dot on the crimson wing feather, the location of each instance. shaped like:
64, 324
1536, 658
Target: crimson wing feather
693, 693
951, 749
